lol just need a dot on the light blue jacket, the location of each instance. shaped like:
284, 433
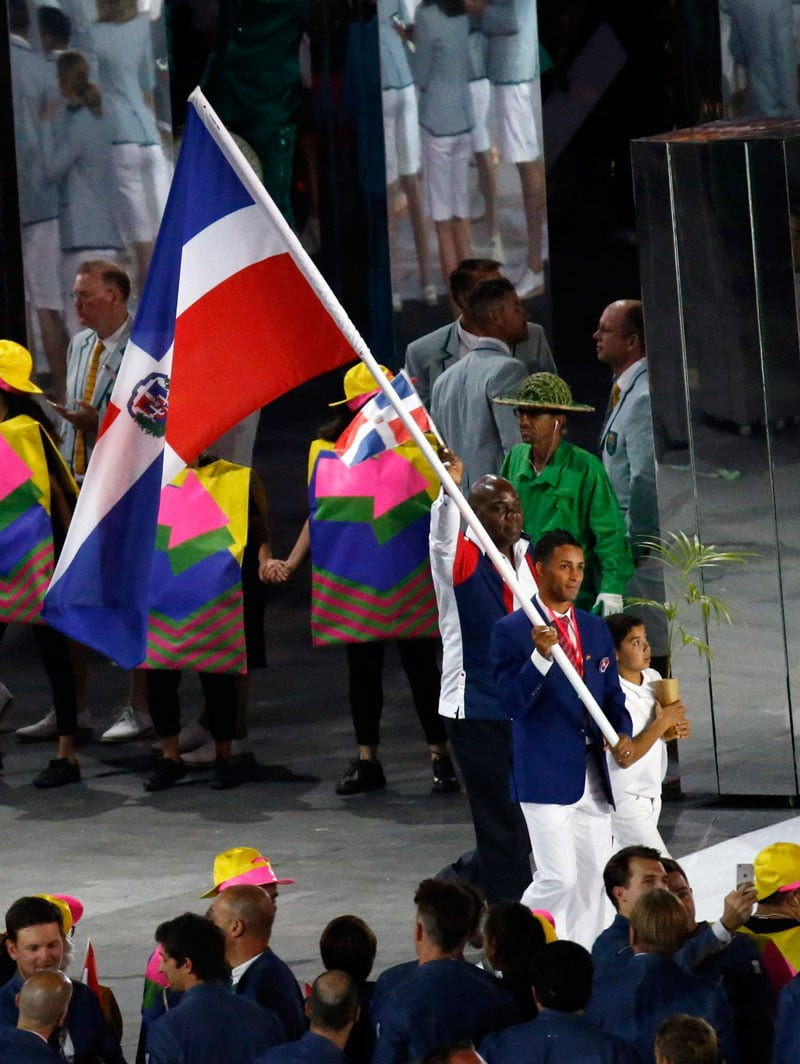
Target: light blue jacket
34, 85
395, 71
513, 33
126, 69
77, 147
442, 71
628, 456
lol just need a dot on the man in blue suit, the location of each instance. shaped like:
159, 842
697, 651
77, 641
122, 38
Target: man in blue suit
245, 914
210, 1023
561, 973
633, 1001
332, 1011
559, 773
35, 941
445, 998
43, 1003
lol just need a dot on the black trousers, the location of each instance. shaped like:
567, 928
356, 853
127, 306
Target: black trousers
418, 658
163, 702
483, 750
57, 663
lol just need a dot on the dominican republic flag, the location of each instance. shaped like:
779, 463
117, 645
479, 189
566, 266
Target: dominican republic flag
377, 426
233, 314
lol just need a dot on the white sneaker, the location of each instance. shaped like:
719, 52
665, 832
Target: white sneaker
193, 736
6, 698
207, 753
128, 725
46, 728
530, 283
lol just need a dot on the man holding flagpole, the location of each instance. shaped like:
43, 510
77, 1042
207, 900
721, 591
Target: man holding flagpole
559, 772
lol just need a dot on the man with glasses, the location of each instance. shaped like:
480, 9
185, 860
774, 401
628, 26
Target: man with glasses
563, 486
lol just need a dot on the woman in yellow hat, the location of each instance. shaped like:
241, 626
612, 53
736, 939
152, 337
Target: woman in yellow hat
37, 496
368, 537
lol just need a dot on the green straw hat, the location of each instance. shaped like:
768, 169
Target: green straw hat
544, 391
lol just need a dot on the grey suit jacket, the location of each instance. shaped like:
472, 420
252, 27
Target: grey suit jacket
478, 430
428, 357
79, 354
628, 456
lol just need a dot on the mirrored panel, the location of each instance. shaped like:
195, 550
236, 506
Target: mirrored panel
462, 118
94, 148
720, 316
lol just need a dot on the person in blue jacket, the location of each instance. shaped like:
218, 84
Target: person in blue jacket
559, 772
561, 973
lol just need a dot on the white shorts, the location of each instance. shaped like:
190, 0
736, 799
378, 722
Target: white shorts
481, 93
445, 175
635, 822
400, 132
41, 259
515, 111
142, 174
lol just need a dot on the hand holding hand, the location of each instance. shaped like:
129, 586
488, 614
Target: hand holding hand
274, 571
623, 751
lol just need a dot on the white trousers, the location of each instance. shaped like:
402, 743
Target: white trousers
635, 822
571, 844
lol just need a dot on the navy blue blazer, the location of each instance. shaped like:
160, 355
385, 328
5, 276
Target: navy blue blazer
612, 950
310, 1049
550, 729
442, 1002
385, 985
555, 1038
211, 1024
787, 1028
88, 1028
25, 1047
269, 982
632, 1003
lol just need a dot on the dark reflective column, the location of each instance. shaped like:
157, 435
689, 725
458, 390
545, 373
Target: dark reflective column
720, 317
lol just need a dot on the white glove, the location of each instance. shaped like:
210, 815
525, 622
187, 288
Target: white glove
606, 604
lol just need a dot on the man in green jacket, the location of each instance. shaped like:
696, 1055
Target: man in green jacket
563, 486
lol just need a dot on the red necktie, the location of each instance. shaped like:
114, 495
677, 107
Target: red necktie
566, 642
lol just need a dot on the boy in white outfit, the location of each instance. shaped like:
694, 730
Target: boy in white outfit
637, 790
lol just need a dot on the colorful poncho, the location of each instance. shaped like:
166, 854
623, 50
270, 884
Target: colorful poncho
369, 526
196, 620
26, 524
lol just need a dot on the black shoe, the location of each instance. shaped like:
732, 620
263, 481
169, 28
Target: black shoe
226, 775
445, 779
167, 773
361, 776
59, 772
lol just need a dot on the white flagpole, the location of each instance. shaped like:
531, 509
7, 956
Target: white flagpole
254, 186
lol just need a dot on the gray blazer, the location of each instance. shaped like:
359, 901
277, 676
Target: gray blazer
79, 354
513, 34
428, 357
442, 70
628, 456
478, 430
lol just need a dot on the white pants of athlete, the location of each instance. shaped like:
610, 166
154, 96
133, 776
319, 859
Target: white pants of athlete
571, 844
635, 822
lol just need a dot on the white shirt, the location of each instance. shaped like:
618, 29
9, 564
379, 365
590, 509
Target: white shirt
467, 341
240, 969
645, 775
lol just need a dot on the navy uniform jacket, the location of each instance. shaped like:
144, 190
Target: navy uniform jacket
210, 1025
442, 1002
550, 730
269, 982
88, 1028
386, 984
632, 1003
428, 357
310, 1049
556, 1038
25, 1047
787, 1029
